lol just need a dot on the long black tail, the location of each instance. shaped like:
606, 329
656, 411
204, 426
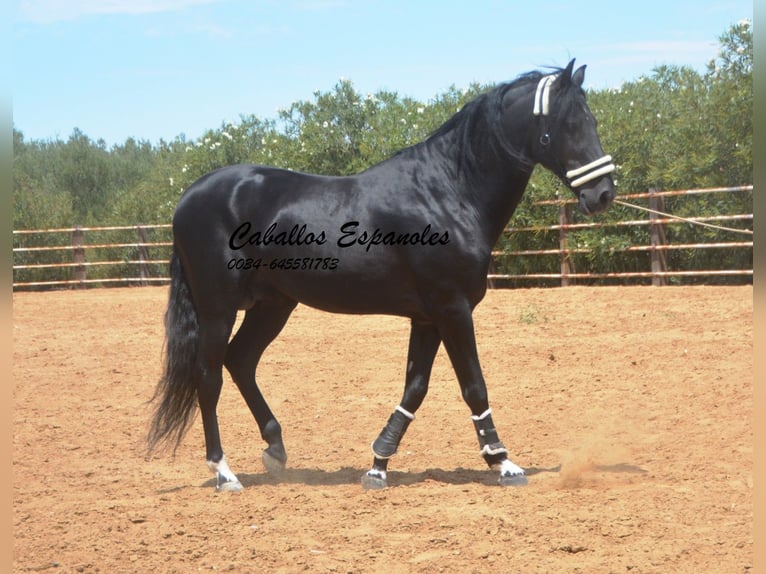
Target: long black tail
177, 389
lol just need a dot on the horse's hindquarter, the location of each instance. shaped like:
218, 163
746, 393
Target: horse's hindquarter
372, 243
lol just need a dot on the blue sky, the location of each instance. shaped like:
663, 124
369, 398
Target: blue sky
153, 69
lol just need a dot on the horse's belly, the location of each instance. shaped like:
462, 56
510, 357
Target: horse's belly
336, 292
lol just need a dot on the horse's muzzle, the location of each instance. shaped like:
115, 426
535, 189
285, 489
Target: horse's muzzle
597, 198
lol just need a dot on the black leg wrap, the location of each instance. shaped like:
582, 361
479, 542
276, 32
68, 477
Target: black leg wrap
492, 449
272, 434
388, 440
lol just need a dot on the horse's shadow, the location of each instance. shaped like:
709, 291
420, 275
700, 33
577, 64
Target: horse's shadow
351, 475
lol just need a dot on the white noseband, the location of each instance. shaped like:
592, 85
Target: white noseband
594, 169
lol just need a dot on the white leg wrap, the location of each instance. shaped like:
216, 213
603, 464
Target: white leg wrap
406, 413
507, 468
482, 416
487, 449
381, 474
221, 467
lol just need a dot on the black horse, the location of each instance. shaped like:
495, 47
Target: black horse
410, 236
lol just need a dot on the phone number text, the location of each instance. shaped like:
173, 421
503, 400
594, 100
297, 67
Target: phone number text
284, 264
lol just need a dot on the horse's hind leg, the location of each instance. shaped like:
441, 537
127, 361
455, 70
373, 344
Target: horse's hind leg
261, 325
214, 334
424, 342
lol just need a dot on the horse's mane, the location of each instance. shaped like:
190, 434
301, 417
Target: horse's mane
477, 127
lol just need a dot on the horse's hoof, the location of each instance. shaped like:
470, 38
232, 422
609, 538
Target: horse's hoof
513, 480
374, 481
229, 486
274, 466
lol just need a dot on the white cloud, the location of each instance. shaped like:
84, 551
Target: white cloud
46, 11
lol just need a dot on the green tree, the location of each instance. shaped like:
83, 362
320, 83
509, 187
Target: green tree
342, 132
730, 116
38, 201
86, 173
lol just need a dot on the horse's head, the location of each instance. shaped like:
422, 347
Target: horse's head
566, 141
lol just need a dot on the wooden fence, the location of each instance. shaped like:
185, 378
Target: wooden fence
142, 261
658, 246
85, 256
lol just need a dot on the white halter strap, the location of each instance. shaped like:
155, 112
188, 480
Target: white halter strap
543, 95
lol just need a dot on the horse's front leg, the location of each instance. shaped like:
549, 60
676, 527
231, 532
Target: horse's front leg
424, 342
460, 343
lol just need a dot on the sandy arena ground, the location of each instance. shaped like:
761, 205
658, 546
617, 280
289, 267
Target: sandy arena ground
631, 409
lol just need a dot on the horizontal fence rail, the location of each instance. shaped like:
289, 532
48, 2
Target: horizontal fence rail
140, 254
658, 245
64, 259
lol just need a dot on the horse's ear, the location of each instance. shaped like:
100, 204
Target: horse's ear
579, 76
567, 73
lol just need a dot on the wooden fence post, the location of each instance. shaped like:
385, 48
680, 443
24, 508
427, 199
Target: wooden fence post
78, 256
659, 263
143, 255
567, 267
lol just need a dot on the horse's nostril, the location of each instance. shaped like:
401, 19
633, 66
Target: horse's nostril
606, 197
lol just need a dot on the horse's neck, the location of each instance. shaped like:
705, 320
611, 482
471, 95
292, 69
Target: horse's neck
495, 187
492, 191
496, 198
